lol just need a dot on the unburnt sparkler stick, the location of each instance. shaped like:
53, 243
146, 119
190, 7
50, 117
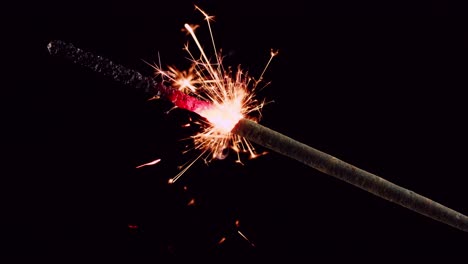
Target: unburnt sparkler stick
125, 76
270, 139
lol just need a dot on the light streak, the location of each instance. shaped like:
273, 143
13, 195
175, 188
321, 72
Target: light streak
156, 161
245, 238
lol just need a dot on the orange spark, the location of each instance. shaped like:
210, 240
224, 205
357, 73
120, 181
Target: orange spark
191, 202
221, 240
246, 239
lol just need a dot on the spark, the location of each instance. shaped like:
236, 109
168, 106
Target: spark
221, 240
156, 161
246, 239
230, 92
191, 202
241, 234
237, 223
175, 178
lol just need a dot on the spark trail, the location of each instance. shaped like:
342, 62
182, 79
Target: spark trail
214, 93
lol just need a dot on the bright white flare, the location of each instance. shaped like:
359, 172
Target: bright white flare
225, 116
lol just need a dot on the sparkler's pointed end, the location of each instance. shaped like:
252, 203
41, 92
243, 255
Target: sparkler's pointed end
53, 45
170, 181
50, 46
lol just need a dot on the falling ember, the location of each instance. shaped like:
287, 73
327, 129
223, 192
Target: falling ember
154, 162
191, 202
237, 224
229, 96
246, 239
221, 240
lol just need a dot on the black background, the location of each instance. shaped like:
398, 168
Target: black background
380, 86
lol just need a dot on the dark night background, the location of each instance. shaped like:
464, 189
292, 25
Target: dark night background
380, 86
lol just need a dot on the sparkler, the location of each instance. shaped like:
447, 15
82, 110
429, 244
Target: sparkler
225, 98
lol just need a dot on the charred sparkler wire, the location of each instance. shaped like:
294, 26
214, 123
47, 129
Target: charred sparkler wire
269, 138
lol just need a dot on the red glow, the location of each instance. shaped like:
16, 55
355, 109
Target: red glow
183, 100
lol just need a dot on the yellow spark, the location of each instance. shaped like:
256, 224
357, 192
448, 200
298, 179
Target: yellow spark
182, 80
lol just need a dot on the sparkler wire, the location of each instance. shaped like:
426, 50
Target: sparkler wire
270, 139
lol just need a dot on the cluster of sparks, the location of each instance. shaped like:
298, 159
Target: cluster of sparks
231, 94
